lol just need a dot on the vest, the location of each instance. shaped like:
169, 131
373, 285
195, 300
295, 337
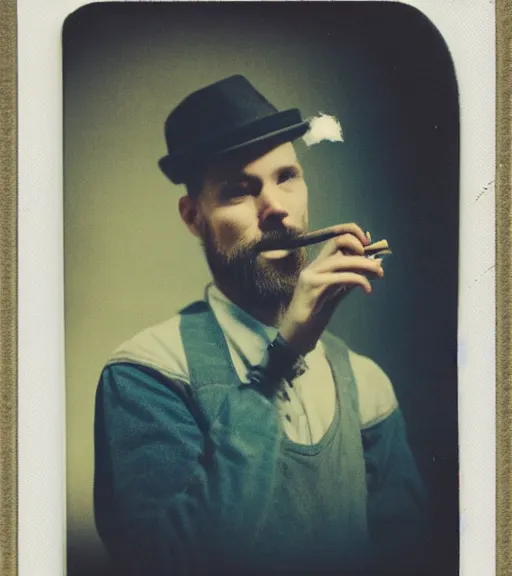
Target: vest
318, 521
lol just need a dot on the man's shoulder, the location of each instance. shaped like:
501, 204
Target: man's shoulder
158, 347
377, 399
376, 396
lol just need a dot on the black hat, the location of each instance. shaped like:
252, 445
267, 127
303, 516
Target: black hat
225, 116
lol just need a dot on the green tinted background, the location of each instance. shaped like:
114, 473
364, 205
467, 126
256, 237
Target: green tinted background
385, 72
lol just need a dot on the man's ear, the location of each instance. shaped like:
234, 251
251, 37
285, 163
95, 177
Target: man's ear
189, 213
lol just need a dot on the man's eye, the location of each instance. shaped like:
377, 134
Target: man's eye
286, 175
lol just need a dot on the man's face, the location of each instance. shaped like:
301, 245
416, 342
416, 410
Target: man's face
245, 199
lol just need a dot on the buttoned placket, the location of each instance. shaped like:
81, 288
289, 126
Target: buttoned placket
293, 415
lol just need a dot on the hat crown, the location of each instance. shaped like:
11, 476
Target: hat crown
213, 111
222, 117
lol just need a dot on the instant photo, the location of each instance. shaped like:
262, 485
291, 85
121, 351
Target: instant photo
261, 221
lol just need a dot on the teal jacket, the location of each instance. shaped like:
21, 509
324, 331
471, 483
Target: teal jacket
198, 477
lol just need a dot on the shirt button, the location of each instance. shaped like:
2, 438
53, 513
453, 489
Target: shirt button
288, 418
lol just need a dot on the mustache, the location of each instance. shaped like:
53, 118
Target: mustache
279, 237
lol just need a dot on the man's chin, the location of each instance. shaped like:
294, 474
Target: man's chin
257, 279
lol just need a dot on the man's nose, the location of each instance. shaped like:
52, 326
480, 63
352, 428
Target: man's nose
271, 213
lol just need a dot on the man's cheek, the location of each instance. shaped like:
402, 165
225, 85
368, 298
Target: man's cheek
230, 236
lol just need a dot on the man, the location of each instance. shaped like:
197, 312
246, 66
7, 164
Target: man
239, 436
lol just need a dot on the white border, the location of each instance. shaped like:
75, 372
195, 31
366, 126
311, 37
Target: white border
468, 28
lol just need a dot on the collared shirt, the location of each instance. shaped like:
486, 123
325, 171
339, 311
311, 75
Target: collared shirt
306, 404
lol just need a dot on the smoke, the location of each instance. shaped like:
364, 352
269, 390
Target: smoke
323, 127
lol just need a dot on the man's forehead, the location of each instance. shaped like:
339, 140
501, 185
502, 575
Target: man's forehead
253, 161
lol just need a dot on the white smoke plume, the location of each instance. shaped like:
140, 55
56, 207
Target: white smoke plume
323, 127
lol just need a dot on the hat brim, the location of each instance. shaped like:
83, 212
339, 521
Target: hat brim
275, 137
278, 136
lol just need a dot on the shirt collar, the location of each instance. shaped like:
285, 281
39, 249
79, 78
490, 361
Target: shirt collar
248, 336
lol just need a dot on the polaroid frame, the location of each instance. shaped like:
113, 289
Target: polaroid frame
9, 562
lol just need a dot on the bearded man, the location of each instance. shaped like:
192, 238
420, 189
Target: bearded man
240, 436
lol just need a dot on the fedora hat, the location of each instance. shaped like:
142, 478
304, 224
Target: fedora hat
222, 117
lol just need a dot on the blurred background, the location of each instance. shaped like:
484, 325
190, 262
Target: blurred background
385, 72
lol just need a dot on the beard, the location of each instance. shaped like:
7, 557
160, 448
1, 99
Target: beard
256, 281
